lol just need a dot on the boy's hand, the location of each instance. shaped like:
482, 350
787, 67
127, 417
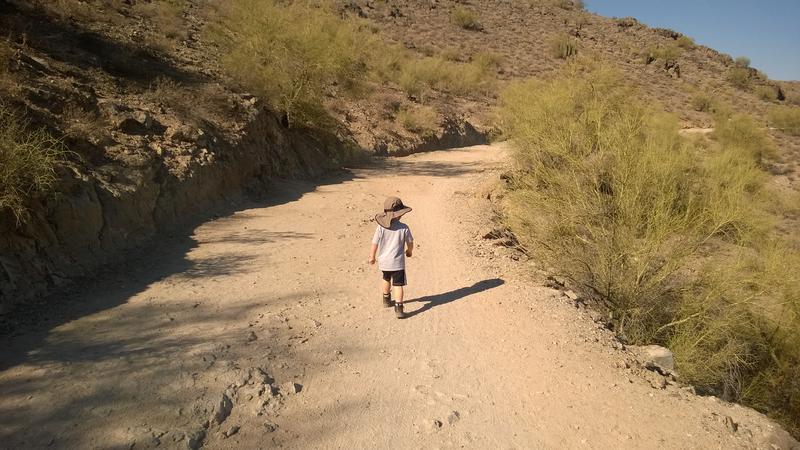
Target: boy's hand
408, 253
371, 260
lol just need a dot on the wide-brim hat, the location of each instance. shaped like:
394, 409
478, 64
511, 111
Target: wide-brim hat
393, 208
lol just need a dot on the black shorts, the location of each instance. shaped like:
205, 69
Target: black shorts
397, 277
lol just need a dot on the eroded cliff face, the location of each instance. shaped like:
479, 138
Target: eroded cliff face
99, 215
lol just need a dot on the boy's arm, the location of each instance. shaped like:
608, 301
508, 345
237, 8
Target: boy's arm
372, 253
409, 248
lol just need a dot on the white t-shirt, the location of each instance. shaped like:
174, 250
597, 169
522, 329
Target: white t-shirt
391, 245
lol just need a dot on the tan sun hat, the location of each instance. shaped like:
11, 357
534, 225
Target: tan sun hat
393, 208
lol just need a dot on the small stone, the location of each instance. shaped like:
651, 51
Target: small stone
251, 336
453, 417
290, 387
231, 431
194, 440
223, 409
269, 428
732, 426
656, 358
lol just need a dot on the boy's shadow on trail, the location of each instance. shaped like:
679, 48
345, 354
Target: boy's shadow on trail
451, 296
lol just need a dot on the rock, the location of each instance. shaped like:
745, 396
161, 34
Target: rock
453, 417
730, 424
223, 409
231, 431
571, 295
290, 387
655, 357
269, 428
260, 376
194, 440
434, 425
251, 336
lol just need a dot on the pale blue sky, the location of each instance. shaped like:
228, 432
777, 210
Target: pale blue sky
767, 31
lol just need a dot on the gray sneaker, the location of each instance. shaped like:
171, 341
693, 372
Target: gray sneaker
387, 301
398, 311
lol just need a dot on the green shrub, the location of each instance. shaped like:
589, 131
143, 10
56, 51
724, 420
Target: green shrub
564, 46
742, 61
292, 54
422, 120
570, 5
740, 77
465, 19
669, 54
676, 239
419, 76
27, 162
786, 119
626, 22
685, 42
701, 103
767, 93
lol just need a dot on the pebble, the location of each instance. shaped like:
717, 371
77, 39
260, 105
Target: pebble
453, 417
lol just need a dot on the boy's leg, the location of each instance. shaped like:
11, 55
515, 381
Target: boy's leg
386, 287
387, 296
386, 290
398, 294
398, 282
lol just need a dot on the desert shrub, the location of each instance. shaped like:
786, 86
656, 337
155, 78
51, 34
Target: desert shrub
165, 15
419, 76
676, 240
742, 61
570, 5
626, 22
685, 42
292, 54
666, 53
702, 103
740, 77
422, 120
767, 93
742, 136
564, 46
786, 119
28, 158
465, 19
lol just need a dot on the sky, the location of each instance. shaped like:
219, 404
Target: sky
766, 31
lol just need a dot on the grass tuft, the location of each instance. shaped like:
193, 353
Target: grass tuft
786, 119
564, 46
422, 120
465, 19
28, 158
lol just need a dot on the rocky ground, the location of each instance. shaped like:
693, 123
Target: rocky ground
263, 328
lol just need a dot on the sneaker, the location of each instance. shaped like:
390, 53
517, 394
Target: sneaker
387, 301
398, 311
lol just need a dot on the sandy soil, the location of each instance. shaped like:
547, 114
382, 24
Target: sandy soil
264, 329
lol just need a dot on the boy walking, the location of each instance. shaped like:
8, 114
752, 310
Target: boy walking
392, 243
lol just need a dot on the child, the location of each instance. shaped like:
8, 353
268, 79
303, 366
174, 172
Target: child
394, 241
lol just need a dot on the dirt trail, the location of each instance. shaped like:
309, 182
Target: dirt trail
273, 295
